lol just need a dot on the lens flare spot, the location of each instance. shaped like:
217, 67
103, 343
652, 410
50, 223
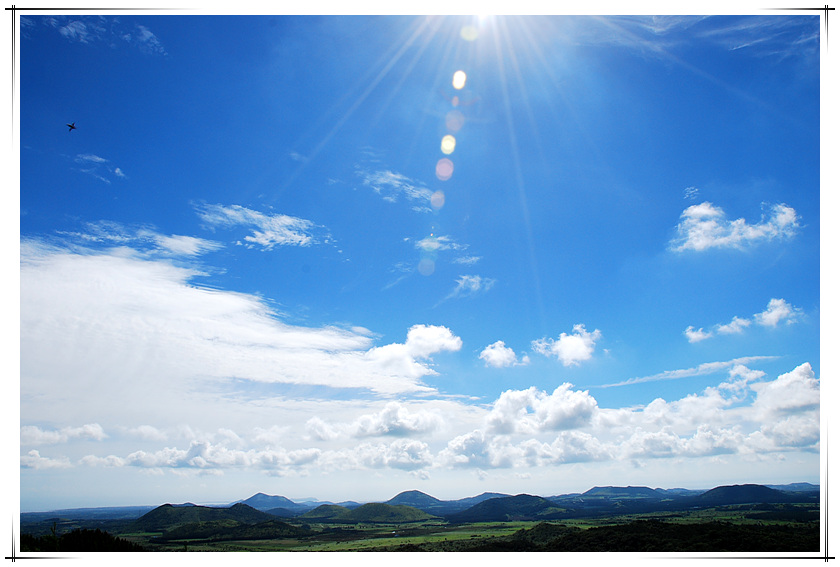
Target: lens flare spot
469, 33
426, 267
459, 79
447, 144
454, 120
438, 199
444, 169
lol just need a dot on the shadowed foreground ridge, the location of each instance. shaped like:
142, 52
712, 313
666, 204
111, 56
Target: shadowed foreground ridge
77, 541
644, 536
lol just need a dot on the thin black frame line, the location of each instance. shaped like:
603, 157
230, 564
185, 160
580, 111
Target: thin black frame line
14, 9
14, 557
91, 9
825, 9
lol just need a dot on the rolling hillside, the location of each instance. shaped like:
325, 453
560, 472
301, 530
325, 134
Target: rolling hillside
509, 508
168, 516
373, 512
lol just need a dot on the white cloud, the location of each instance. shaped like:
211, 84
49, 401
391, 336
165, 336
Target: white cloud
33, 435
75, 31
792, 392
267, 230
406, 454
437, 243
691, 193
705, 226
95, 166
569, 349
467, 260
737, 325
391, 185
498, 355
34, 460
697, 335
138, 328
395, 419
144, 239
778, 310
91, 29
531, 411
469, 286
705, 368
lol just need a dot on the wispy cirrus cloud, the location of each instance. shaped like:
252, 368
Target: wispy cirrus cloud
470, 286
142, 239
95, 29
99, 309
705, 368
267, 229
706, 226
98, 167
392, 185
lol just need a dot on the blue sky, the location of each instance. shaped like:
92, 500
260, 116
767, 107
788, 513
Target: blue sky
296, 255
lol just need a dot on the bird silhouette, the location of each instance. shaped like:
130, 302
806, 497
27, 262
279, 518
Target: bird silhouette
72, 126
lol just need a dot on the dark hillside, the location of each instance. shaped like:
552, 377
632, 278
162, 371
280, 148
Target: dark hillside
265, 502
325, 512
741, 494
168, 516
414, 498
510, 508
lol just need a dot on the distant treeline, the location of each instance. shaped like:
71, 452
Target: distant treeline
643, 536
77, 541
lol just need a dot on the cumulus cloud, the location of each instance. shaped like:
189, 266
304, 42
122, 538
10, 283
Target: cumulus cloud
395, 419
696, 335
737, 325
569, 349
34, 460
705, 226
498, 355
532, 410
792, 392
33, 435
747, 415
267, 230
778, 310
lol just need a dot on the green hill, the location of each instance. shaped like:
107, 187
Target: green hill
166, 517
510, 508
387, 513
742, 494
325, 513
374, 512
